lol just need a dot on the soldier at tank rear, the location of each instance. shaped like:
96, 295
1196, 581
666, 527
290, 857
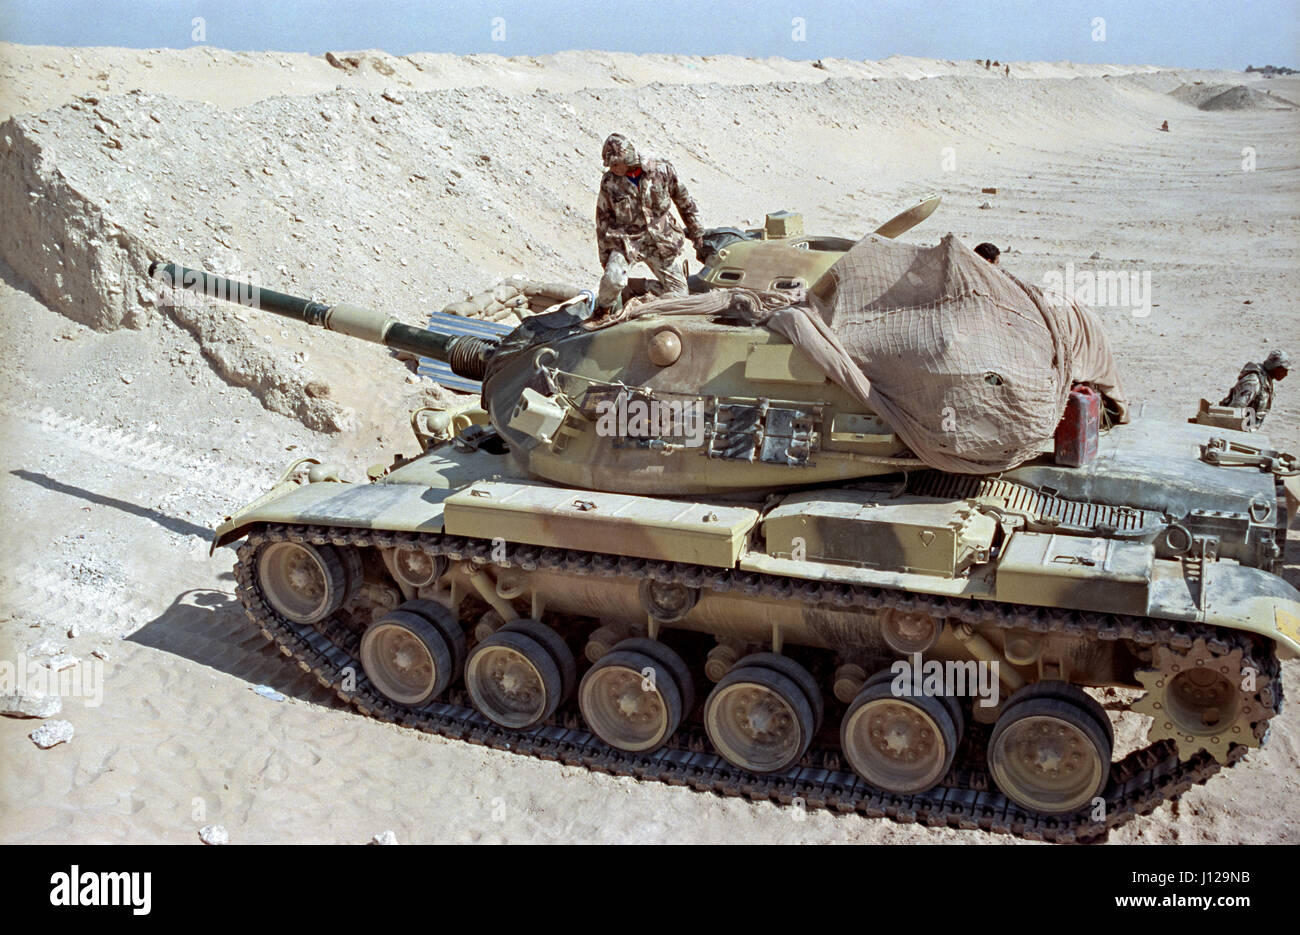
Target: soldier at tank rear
634, 223
1254, 387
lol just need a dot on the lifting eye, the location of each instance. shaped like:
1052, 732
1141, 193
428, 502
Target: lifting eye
993, 379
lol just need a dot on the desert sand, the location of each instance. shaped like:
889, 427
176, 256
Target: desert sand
128, 430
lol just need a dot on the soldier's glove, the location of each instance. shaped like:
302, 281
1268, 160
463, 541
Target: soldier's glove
702, 253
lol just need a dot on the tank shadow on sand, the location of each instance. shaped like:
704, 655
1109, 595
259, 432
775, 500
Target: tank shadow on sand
210, 628
170, 523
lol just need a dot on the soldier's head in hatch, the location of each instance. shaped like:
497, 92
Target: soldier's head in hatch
618, 154
1277, 363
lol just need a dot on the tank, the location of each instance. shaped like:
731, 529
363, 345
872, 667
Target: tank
767, 596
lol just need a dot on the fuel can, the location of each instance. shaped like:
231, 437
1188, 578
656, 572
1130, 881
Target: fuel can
1080, 426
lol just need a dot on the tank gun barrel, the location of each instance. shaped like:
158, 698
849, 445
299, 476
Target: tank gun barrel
466, 355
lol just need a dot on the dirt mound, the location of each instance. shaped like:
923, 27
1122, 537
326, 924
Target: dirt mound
35, 78
1244, 98
1214, 97
403, 200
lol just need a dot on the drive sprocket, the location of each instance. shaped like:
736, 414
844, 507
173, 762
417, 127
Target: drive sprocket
1202, 699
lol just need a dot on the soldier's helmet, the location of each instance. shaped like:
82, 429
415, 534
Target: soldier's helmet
1277, 358
618, 149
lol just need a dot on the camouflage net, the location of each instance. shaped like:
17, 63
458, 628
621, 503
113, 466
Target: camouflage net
968, 364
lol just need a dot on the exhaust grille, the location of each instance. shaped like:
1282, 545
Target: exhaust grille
1007, 495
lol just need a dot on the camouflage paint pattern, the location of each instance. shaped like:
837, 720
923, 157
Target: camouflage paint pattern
634, 218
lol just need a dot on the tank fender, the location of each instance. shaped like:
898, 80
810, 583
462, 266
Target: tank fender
1252, 599
397, 507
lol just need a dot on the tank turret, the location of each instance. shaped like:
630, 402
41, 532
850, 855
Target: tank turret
780, 257
682, 405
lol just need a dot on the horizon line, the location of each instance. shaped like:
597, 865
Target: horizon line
677, 55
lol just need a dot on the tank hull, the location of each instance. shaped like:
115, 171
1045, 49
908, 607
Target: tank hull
836, 580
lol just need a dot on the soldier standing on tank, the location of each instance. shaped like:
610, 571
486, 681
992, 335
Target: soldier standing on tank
1255, 384
633, 222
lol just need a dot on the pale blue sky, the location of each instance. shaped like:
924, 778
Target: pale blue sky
1191, 33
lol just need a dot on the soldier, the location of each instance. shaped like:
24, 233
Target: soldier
1255, 384
633, 222
989, 252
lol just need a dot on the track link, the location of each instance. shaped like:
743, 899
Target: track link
966, 798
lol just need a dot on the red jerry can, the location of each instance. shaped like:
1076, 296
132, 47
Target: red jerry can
1076, 435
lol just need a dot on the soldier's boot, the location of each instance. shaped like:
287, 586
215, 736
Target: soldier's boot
605, 313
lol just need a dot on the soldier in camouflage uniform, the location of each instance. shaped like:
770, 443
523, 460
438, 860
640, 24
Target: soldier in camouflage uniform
1255, 384
633, 221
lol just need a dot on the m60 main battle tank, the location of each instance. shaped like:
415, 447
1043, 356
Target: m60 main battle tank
680, 547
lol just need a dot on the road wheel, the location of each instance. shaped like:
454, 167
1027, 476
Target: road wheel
902, 744
407, 658
513, 679
759, 719
630, 700
1049, 755
304, 583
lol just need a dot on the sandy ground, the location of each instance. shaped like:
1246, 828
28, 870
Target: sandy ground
128, 430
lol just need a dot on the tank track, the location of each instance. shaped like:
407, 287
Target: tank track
966, 799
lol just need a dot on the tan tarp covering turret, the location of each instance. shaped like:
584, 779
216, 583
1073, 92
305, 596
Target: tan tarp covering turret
971, 366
